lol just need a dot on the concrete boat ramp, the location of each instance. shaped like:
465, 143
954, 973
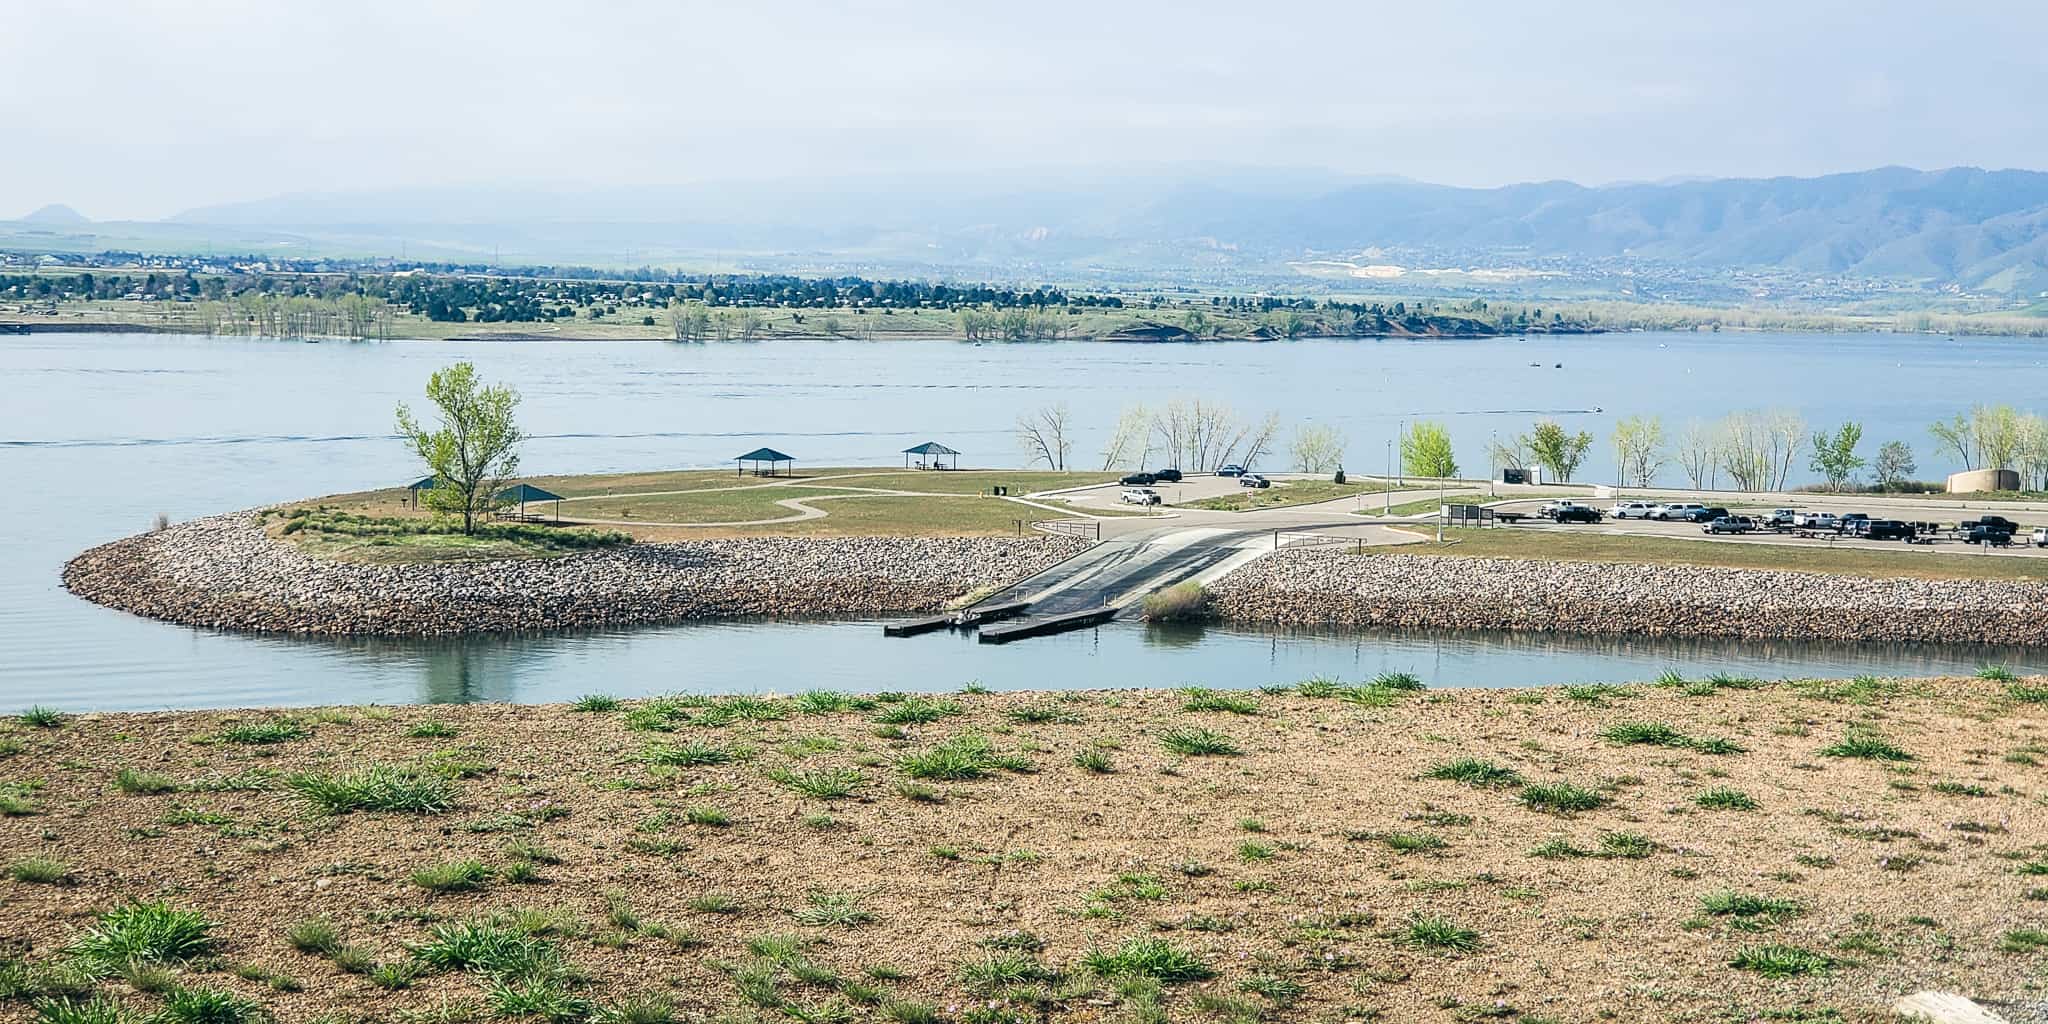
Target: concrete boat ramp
1105, 581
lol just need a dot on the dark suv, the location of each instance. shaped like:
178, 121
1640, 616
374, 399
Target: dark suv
1996, 531
1886, 529
1705, 515
1140, 480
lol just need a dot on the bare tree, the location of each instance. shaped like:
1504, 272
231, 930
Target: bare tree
1698, 453
1044, 436
1639, 450
1252, 443
1958, 435
1130, 443
1170, 426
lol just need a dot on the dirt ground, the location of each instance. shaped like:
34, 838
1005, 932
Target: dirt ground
1318, 874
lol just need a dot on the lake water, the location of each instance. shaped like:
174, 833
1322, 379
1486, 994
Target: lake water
100, 433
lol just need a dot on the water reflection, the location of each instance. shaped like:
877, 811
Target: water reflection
764, 656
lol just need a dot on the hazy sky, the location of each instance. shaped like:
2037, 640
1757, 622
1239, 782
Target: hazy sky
129, 109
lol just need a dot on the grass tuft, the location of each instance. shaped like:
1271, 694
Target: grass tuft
1193, 742
380, 787
1474, 772
1777, 961
1562, 798
454, 876
1439, 934
596, 703
820, 783
40, 717
1153, 958
1868, 744
154, 932
1723, 798
279, 729
40, 871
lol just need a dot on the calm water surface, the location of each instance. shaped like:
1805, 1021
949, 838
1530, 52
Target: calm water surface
99, 433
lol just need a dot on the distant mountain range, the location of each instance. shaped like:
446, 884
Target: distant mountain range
1983, 231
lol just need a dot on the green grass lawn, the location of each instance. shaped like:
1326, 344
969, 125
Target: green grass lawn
1287, 492
1560, 546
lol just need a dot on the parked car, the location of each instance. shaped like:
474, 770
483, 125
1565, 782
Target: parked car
1632, 509
1166, 476
1851, 523
2039, 538
1671, 510
1996, 531
1139, 480
1705, 514
1253, 480
1815, 521
1729, 524
1140, 496
1887, 529
1780, 517
1572, 513
1231, 470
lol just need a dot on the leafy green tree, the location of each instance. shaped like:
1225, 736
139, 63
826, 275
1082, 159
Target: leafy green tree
1426, 451
1958, 435
1834, 455
1894, 464
1553, 449
1640, 450
476, 448
1317, 448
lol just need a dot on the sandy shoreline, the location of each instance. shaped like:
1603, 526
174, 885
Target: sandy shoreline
687, 863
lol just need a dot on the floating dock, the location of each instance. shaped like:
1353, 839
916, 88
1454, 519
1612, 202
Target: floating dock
1047, 625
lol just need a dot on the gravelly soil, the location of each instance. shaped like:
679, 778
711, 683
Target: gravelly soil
1271, 864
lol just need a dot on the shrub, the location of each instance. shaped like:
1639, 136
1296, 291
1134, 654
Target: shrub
1192, 742
1397, 681
1182, 602
375, 788
142, 931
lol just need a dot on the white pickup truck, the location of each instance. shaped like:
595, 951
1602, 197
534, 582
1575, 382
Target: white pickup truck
1140, 496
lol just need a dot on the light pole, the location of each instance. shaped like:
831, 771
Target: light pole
1493, 461
1439, 510
1388, 480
